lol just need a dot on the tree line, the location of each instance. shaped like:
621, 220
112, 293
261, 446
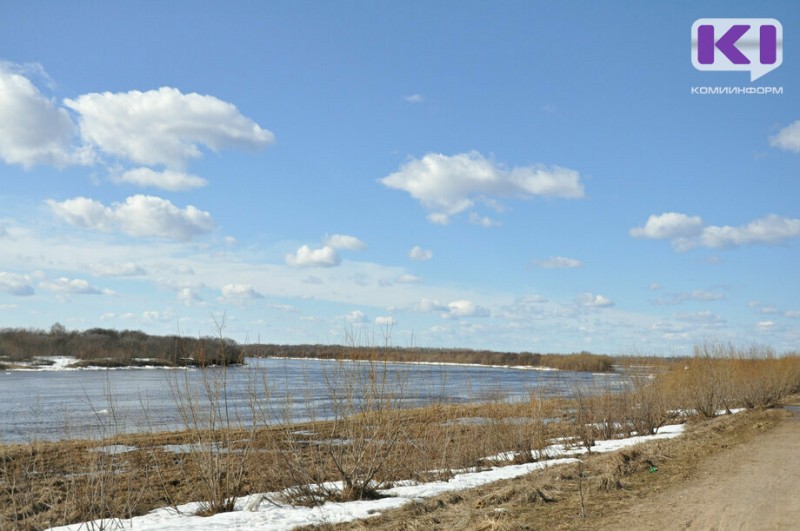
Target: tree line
115, 348
112, 348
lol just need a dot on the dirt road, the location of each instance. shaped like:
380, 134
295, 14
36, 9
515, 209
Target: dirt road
755, 485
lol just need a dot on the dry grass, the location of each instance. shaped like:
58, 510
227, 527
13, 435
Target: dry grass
371, 441
550, 499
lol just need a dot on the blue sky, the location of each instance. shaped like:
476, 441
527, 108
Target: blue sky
531, 176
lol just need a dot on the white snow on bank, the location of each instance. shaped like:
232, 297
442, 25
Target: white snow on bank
268, 515
435, 363
63, 363
60, 363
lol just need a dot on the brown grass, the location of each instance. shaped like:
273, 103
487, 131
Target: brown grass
372, 441
551, 499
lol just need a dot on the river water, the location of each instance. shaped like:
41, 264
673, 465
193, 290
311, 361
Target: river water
60, 404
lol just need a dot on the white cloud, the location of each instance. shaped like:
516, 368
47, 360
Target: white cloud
414, 98
668, 226
591, 300
33, 130
19, 285
239, 292
431, 305
171, 180
308, 257
189, 297
770, 229
356, 317
788, 138
483, 221
765, 326
688, 232
407, 278
420, 254
465, 308
385, 321
67, 286
126, 269
164, 126
558, 262
139, 215
342, 241
448, 185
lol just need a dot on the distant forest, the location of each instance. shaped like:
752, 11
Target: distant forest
102, 347
111, 348
582, 361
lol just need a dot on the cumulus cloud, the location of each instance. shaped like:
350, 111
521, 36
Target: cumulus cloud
14, 284
420, 254
342, 241
558, 262
788, 138
590, 300
770, 229
668, 226
163, 127
76, 286
465, 308
431, 305
356, 317
414, 98
33, 130
305, 256
448, 185
139, 215
189, 297
687, 232
239, 292
174, 181
385, 321
454, 309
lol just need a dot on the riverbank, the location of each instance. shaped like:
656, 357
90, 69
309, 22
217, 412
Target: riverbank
735, 471
371, 444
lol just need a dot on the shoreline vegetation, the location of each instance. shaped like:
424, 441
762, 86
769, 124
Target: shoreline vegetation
371, 442
108, 348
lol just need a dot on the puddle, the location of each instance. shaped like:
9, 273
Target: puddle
794, 409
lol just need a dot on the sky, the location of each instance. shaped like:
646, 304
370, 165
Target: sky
515, 176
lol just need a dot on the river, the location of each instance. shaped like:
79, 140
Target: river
86, 403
